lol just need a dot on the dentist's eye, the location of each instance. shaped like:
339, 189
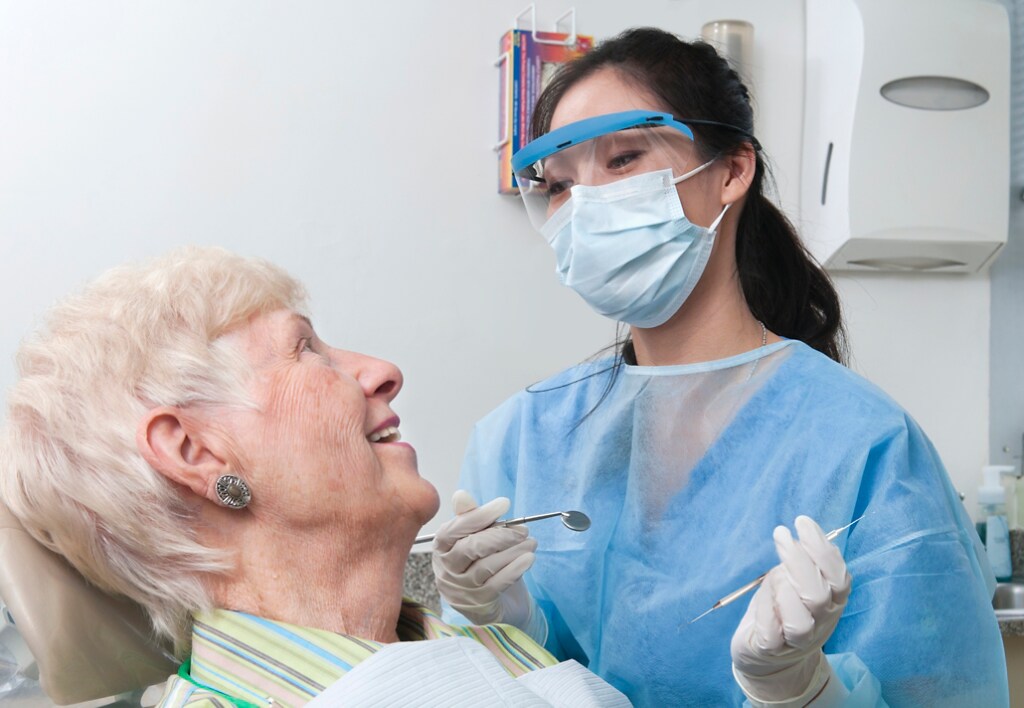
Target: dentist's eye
621, 160
556, 188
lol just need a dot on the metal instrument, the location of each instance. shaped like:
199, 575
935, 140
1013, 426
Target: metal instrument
737, 594
572, 520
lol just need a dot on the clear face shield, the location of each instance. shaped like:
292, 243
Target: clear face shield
599, 151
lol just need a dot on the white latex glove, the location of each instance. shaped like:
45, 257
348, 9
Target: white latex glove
479, 567
776, 650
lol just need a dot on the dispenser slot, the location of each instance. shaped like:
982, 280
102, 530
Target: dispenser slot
824, 178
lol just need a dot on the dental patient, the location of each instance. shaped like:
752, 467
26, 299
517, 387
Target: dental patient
182, 437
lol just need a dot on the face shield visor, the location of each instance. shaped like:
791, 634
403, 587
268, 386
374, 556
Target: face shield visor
598, 151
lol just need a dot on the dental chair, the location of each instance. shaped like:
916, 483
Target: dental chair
87, 644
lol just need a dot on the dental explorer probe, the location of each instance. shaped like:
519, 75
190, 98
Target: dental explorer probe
737, 594
573, 520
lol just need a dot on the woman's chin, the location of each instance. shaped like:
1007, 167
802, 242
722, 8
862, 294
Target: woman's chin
431, 502
419, 501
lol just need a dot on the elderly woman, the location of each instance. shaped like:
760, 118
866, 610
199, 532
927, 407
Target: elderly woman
184, 439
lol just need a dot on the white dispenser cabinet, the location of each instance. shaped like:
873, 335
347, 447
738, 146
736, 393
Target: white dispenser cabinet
906, 162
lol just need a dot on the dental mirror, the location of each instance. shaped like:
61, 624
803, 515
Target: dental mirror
572, 520
575, 520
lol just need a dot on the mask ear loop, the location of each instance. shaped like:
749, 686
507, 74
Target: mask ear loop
716, 222
691, 173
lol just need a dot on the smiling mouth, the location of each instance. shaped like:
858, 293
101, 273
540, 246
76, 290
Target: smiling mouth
385, 435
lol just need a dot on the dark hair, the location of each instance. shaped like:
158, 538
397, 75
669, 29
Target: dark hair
784, 287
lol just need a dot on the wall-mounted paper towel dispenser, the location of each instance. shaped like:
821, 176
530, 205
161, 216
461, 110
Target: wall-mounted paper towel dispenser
906, 134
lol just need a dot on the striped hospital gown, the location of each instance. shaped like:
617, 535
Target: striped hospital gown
254, 660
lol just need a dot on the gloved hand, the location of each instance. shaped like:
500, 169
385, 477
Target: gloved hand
479, 567
776, 650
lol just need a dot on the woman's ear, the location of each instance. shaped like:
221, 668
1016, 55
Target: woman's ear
742, 165
175, 444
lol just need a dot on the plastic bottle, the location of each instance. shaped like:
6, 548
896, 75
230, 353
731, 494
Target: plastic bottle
992, 526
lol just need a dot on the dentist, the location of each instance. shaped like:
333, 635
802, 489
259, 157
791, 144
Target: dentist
725, 412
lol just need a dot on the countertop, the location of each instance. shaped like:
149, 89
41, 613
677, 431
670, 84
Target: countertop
1012, 627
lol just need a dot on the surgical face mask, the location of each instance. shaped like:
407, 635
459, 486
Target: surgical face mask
628, 249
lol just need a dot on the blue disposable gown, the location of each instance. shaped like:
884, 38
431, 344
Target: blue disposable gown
685, 471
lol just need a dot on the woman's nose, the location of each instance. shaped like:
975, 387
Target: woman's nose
379, 378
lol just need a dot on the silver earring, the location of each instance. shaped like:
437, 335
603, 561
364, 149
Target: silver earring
233, 491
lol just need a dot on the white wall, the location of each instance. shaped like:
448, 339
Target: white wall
1006, 429
925, 342
350, 143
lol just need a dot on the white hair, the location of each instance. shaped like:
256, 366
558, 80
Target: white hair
138, 337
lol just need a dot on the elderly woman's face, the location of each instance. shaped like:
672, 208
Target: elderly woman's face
323, 443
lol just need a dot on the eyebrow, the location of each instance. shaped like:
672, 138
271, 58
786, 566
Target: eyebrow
295, 325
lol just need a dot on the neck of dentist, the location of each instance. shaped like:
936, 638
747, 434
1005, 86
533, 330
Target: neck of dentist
714, 322
340, 578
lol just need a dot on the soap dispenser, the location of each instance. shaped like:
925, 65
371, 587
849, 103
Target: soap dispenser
991, 524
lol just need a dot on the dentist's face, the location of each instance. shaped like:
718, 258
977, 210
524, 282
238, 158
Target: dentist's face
609, 91
323, 445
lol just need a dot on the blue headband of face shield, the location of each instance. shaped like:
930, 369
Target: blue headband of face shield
588, 128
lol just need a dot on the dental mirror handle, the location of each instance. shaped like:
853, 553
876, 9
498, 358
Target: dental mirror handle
528, 519
509, 522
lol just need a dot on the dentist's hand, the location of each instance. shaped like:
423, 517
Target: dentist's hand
776, 650
479, 567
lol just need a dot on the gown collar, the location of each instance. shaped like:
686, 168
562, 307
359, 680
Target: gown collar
701, 366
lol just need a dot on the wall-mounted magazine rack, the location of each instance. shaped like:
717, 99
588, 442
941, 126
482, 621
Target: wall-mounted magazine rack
569, 40
528, 59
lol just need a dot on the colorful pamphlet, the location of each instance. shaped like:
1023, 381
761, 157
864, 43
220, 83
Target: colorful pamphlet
526, 68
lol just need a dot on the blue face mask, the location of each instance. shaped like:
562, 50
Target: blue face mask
628, 249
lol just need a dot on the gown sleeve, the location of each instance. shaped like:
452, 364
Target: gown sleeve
919, 622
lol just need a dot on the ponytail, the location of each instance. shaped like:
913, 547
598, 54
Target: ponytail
783, 285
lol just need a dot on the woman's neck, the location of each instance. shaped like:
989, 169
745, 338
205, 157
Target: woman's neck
714, 323
313, 580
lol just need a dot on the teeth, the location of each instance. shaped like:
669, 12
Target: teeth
387, 435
